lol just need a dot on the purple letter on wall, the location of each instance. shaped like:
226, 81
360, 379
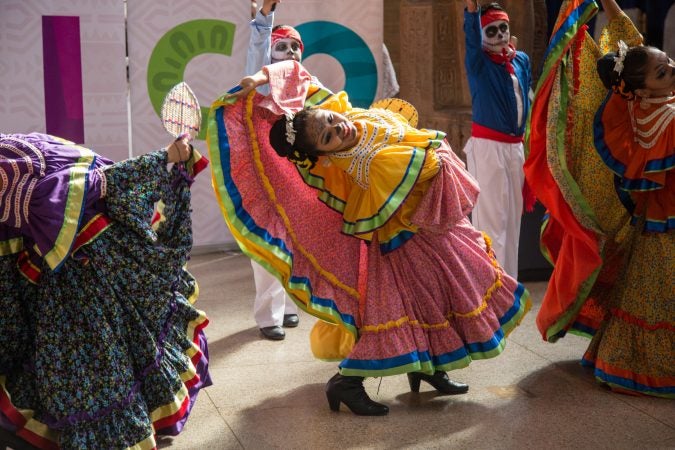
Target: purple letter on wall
62, 60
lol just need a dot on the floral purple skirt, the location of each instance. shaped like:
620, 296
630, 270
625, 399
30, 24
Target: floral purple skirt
109, 350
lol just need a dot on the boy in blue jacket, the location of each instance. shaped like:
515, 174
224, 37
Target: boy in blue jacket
499, 80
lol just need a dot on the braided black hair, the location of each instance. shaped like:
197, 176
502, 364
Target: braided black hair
301, 152
633, 74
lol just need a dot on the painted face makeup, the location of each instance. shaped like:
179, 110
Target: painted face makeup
496, 36
286, 49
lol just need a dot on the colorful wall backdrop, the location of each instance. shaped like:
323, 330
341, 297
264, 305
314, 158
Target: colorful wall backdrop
204, 42
64, 68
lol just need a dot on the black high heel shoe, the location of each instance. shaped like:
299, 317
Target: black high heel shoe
350, 391
439, 380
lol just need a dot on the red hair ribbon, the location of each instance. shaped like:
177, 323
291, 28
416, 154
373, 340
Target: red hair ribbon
493, 15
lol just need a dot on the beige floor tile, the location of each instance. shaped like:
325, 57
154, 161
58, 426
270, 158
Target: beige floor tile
536, 395
270, 395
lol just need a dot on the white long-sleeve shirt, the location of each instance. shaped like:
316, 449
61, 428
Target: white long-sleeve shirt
259, 51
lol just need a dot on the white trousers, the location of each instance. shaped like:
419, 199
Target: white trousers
271, 301
498, 167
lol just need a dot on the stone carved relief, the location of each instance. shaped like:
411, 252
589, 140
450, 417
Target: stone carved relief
417, 60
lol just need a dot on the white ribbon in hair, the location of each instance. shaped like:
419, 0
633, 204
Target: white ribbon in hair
290, 132
620, 57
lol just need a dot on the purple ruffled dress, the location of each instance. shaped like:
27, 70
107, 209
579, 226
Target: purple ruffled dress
100, 345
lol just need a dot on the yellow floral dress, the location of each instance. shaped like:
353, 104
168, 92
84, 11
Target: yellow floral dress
610, 281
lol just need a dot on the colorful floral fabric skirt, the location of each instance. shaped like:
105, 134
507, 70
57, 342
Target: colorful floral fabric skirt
108, 351
437, 302
633, 350
585, 220
440, 300
611, 282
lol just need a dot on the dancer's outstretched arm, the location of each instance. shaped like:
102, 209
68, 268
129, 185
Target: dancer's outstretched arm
248, 83
612, 9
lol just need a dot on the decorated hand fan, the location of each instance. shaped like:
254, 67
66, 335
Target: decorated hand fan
398, 106
181, 114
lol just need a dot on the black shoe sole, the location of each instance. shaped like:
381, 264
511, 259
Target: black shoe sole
415, 380
292, 323
273, 337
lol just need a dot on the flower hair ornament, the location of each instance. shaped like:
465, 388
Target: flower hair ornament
619, 84
290, 131
620, 58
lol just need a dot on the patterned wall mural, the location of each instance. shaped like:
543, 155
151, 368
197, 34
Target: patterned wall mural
64, 68
62, 71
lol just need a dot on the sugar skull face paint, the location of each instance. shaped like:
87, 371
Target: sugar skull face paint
286, 44
496, 36
286, 49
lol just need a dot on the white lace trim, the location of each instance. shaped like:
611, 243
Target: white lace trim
648, 138
26, 199
365, 150
12, 193
18, 210
104, 182
4, 179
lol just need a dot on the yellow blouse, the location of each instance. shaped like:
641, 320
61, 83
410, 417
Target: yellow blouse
378, 183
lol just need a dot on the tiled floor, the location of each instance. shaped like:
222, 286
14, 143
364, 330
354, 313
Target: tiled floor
270, 395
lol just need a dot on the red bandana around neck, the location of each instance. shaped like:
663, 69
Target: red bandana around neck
504, 58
